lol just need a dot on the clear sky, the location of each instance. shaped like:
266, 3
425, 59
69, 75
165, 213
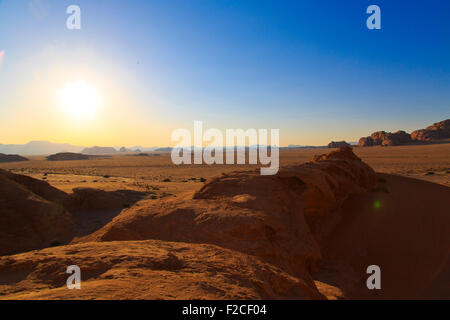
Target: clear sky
309, 68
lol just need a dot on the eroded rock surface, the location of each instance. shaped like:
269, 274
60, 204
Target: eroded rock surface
31, 214
338, 144
437, 131
382, 138
145, 270
280, 219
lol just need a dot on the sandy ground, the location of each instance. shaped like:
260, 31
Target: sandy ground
159, 175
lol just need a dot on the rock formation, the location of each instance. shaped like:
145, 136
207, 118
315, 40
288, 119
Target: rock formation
338, 144
31, 214
35, 215
89, 198
437, 131
65, 156
382, 138
146, 270
281, 219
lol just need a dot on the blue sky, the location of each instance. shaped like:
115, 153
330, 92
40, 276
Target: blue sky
310, 68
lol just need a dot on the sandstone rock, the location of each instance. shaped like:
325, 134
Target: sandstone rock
382, 138
95, 199
31, 214
338, 144
437, 131
280, 219
420, 135
365, 142
146, 270
38, 187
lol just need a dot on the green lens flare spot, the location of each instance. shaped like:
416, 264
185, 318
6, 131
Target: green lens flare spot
377, 204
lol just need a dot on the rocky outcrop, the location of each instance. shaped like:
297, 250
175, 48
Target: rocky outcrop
11, 158
365, 142
31, 214
95, 199
146, 270
65, 156
382, 138
38, 187
437, 131
338, 144
281, 219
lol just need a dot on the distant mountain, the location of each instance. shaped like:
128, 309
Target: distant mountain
48, 148
11, 158
143, 149
99, 150
123, 149
38, 148
133, 149
167, 149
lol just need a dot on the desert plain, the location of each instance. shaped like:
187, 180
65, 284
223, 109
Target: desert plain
141, 227
429, 162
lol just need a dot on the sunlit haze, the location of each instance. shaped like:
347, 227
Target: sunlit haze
138, 70
79, 100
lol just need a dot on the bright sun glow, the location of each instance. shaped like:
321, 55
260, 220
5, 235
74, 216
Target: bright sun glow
79, 100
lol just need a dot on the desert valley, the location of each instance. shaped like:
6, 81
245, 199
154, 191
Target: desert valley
232, 157
141, 227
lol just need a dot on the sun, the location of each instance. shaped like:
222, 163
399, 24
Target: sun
79, 100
